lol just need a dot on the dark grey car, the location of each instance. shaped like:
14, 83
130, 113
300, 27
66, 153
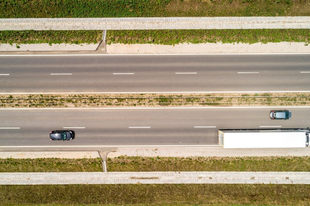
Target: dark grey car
280, 114
62, 135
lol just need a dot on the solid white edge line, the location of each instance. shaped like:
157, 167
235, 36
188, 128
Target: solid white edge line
158, 108
186, 73
191, 54
9, 127
119, 146
198, 127
61, 74
146, 127
270, 126
305, 72
123, 73
4, 74
171, 92
74, 127
248, 72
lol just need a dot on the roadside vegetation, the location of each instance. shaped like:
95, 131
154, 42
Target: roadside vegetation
50, 37
154, 8
148, 164
140, 195
168, 194
172, 37
151, 8
164, 37
152, 100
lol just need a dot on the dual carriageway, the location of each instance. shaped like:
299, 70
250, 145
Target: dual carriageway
146, 74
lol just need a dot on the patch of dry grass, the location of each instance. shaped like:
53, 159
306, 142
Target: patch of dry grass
150, 100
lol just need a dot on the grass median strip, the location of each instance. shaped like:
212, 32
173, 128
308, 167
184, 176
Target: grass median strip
147, 164
154, 100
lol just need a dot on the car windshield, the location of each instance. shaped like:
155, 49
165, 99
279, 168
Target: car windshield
64, 135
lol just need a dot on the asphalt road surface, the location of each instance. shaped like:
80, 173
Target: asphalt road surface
136, 126
154, 73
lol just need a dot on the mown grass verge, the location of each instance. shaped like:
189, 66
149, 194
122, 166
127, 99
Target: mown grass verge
152, 100
172, 37
181, 194
50, 165
189, 194
151, 8
50, 37
129, 164
164, 37
124, 163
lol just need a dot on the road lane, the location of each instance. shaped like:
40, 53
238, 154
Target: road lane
111, 127
152, 73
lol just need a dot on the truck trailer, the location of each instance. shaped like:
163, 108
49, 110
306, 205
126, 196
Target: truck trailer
263, 138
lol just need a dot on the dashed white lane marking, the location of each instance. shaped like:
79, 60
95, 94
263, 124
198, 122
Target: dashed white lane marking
305, 72
146, 127
123, 73
270, 126
9, 127
61, 73
74, 127
248, 72
198, 127
4, 74
186, 73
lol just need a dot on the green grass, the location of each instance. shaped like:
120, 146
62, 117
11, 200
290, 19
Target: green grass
50, 37
123, 163
164, 37
172, 37
189, 194
180, 194
151, 8
209, 164
50, 165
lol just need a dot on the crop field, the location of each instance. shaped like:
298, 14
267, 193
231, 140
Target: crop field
151, 8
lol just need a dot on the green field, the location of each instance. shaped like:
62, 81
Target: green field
181, 195
151, 8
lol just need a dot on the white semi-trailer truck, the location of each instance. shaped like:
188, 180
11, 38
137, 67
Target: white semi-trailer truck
263, 138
